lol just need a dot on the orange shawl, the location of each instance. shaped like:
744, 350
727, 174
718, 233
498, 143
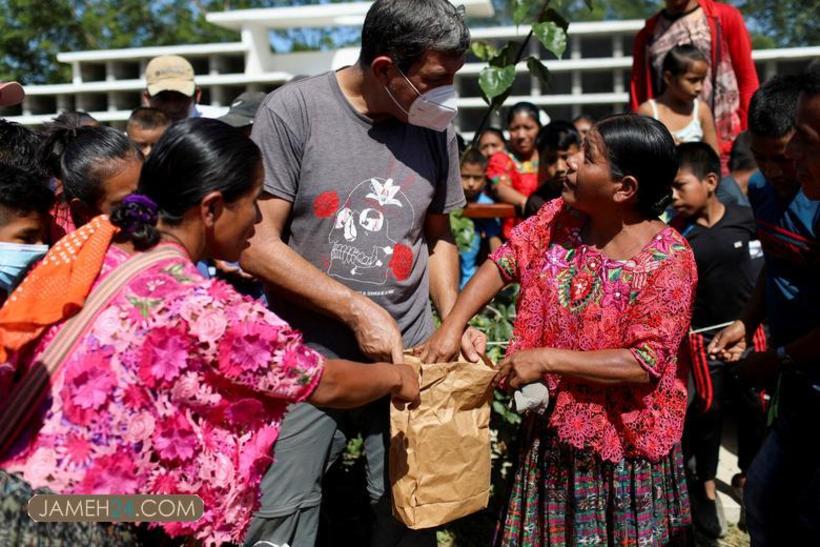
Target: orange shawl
57, 287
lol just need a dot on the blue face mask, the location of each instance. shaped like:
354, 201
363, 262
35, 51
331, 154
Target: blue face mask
15, 259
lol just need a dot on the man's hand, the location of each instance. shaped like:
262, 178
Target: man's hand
408, 388
521, 368
377, 333
729, 344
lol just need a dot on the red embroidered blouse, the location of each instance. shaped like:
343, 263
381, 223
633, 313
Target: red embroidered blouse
573, 297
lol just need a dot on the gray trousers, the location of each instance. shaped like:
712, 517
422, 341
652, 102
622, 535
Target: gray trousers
310, 440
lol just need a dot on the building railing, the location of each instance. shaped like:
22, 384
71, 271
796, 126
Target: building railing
593, 76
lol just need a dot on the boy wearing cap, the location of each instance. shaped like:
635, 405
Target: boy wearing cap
242, 111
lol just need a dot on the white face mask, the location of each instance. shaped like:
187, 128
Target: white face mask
434, 110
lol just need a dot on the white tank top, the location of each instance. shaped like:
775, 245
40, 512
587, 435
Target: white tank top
693, 132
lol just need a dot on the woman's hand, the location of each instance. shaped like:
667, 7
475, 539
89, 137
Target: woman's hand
521, 368
729, 344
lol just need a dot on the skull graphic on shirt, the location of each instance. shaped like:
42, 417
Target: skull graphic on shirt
365, 230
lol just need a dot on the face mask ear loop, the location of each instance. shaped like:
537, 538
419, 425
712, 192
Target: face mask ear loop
406, 79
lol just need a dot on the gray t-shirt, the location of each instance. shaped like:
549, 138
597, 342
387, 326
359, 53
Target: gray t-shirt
360, 192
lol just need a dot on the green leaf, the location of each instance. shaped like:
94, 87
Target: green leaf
494, 81
525, 9
506, 56
552, 36
538, 70
556, 17
483, 50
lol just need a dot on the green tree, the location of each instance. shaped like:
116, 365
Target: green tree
789, 23
32, 32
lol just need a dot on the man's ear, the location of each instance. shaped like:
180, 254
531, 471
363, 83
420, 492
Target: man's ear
627, 190
380, 67
146, 98
211, 208
197, 95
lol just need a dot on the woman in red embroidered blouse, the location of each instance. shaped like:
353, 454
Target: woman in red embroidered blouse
606, 299
513, 176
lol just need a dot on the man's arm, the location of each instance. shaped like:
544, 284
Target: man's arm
269, 259
443, 262
730, 343
444, 286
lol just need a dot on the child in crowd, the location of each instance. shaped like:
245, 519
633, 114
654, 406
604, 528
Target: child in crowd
734, 186
145, 127
557, 142
96, 168
605, 302
583, 123
782, 487
719, 235
689, 120
18, 146
491, 141
25, 201
484, 236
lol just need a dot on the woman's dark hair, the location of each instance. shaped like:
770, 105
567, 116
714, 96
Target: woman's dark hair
495, 131
680, 58
84, 156
558, 135
54, 140
193, 158
641, 147
76, 118
526, 108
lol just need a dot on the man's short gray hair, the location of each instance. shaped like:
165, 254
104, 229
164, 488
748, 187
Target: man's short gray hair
406, 29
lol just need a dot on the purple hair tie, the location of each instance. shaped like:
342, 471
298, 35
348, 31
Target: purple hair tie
139, 211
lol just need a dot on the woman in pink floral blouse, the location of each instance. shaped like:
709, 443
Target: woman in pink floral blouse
606, 298
179, 384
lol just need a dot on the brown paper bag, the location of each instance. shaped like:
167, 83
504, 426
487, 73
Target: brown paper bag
440, 451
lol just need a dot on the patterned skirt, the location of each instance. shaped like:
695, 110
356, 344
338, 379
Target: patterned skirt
565, 496
18, 530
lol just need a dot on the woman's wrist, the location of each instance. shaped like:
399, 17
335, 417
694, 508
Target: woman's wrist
545, 359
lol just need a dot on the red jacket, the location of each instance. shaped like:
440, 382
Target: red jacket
725, 21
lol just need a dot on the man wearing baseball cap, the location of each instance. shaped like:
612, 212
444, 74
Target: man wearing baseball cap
170, 87
11, 93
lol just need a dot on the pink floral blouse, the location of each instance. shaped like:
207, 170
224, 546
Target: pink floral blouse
179, 387
573, 297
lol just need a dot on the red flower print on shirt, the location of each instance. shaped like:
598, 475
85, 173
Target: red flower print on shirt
326, 204
402, 262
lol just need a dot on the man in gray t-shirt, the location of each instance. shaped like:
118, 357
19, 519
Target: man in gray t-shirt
361, 169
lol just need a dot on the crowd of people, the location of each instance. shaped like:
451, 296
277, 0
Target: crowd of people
211, 306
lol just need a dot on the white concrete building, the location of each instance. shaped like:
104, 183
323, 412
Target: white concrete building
591, 77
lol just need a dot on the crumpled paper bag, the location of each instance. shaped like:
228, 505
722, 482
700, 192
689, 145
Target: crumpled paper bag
440, 451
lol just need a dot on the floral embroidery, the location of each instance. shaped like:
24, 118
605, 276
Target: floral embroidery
179, 387
573, 297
